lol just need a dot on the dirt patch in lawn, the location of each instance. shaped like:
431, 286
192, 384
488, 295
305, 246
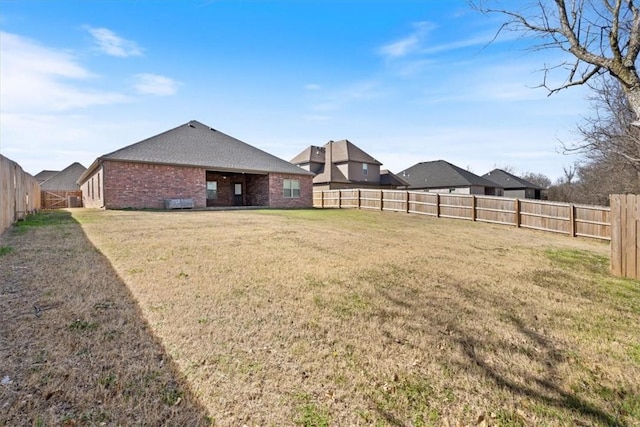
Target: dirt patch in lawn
320, 317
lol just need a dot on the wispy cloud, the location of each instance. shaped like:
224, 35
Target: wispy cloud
408, 44
36, 78
312, 86
154, 84
110, 43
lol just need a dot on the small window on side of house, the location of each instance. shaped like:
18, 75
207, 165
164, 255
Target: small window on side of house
291, 188
365, 169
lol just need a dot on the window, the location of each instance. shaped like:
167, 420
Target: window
99, 193
291, 188
365, 169
212, 190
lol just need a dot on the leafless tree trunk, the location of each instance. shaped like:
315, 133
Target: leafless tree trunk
600, 35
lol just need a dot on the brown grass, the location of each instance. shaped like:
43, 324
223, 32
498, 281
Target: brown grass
329, 318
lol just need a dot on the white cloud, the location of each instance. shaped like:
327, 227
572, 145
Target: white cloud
154, 84
38, 78
312, 86
409, 44
110, 43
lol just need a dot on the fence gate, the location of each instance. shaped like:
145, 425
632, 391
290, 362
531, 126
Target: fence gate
58, 199
625, 235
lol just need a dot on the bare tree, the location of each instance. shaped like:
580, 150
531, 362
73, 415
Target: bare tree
539, 179
600, 36
608, 136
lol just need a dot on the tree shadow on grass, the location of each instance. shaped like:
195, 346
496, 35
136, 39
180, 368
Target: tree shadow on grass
74, 345
539, 375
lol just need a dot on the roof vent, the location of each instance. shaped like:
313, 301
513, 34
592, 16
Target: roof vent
212, 129
191, 125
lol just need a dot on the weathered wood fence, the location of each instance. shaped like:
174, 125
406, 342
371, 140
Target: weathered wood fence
565, 218
19, 193
625, 235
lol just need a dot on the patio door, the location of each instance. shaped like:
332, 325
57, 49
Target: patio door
237, 194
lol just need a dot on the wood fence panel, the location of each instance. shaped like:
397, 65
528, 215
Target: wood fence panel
371, 199
424, 203
456, 206
19, 193
592, 221
349, 198
546, 216
496, 210
625, 235
394, 200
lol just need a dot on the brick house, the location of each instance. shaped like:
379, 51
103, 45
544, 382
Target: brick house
196, 166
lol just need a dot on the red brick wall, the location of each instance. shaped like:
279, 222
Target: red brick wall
93, 190
276, 194
141, 185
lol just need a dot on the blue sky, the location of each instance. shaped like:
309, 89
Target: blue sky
406, 81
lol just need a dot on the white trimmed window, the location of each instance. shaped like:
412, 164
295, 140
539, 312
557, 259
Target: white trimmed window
365, 169
291, 188
212, 190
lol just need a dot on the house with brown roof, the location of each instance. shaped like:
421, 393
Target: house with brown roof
341, 164
514, 186
194, 166
443, 177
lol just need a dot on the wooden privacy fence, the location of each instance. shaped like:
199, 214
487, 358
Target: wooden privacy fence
19, 193
565, 218
625, 235
59, 199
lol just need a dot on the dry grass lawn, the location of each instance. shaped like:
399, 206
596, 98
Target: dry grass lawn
313, 318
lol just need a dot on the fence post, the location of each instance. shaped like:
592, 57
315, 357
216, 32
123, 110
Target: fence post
516, 209
437, 205
381, 200
572, 220
339, 199
473, 207
408, 202
322, 199
358, 198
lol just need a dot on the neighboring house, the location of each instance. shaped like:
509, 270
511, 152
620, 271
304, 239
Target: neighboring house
514, 186
443, 177
44, 175
341, 164
61, 190
194, 165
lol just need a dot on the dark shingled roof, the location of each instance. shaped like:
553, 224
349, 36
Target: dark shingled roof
65, 179
196, 144
441, 174
341, 152
509, 181
389, 178
44, 175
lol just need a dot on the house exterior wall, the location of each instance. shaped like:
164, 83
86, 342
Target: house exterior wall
93, 190
146, 186
257, 191
521, 193
353, 172
276, 191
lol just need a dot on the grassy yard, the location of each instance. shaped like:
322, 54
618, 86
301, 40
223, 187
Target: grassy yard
311, 318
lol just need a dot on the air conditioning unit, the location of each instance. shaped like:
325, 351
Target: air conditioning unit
178, 203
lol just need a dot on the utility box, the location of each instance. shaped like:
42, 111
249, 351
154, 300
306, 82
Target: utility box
178, 203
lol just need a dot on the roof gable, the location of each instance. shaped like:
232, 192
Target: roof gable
196, 144
65, 179
44, 175
509, 181
441, 174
